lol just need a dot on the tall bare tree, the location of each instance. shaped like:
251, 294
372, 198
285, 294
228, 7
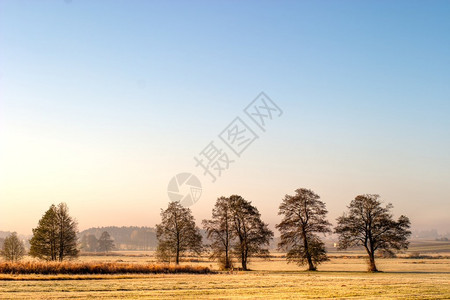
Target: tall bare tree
13, 248
252, 234
369, 224
304, 216
55, 237
219, 230
177, 233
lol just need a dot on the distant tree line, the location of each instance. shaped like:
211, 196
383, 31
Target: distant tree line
235, 231
125, 238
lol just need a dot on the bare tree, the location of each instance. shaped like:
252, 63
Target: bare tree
218, 229
252, 234
177, 233
369, 224
304, 217
55, 237
13, 248
105, 243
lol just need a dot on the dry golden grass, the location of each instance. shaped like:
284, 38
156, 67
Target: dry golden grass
77, 268
342, 277
249, 285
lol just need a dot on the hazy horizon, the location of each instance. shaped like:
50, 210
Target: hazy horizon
102, 119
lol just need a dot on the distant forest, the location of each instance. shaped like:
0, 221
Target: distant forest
138, 238
127, 238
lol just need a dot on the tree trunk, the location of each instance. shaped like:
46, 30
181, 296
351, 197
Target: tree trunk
372, 266
227, 259
227, 247
371, 251
61, 245
177, 259
243, 262
53, 249
311, 266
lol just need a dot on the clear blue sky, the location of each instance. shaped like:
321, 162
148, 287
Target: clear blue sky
102, 102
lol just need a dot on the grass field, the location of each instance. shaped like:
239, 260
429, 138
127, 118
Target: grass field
403, 278
279, 285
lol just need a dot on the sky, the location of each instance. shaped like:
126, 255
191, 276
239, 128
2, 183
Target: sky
103, 102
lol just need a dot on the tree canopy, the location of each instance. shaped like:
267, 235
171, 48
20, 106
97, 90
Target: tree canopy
372, 226
304, 216
55, 237
252, 235
177, 233
12, 248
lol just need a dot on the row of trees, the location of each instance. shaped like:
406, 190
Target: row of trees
237, 231
126, 237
